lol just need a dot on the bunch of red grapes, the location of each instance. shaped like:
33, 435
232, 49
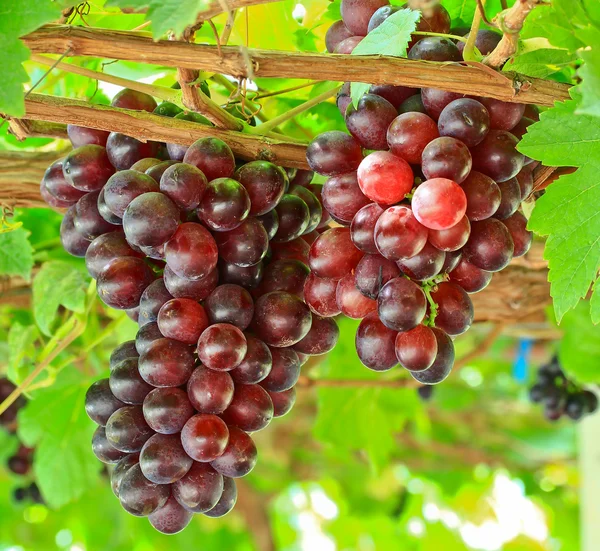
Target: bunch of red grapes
209, 254
426, 189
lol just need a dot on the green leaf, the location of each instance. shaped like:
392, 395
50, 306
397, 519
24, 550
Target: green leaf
568, 213
579, 350
540, 63
56, 424
16, 254
21, 350
17, 19
590, 85
57, 284
390, 38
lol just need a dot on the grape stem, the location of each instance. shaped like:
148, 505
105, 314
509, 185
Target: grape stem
433, 307
470, 53
443, 35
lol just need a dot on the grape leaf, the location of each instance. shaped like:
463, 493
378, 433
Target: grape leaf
16, 254
590, 85
57, 284
19, 18
568, 213
540, 63
20, 345
390, 38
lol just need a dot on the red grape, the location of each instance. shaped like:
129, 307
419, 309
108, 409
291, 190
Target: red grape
408, 135
250, 410
210, 391
184, 184
104, 249
166, 363
200, 489
265, 184
122, 282
79, 135
182, 319
227, 500
425, 264
132, 99
434, 100
490, 246
102, 448
416, 349
283, 402
87, 220
205, 437
244, 246
452, 239
455, 309
356, 14
100, 402
150, 220
398, 234
369, 121
435, 48
285, 275
213, 157
127, 430
375, 344
503, 115
351, 301
442, 365
153, 297
338, 32
126, 384
191, 253
320, 295
163, 459
322, 337
466, 120
123, 187
294, 218
497, 157
239, 456
166, 410
224, 205
198, 289
510, 193
483, 196
471, 278
256, 365
285, 370
362, 230
333, 254
373, 272
222, 347
124, 151
439, 203
401, 304
171, 518
385, 178
517, 226
56, 184
87, 168
139, 496
333, 153
446, 158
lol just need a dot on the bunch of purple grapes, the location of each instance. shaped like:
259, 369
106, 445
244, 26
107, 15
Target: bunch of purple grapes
560, 396
209, 255
426, 188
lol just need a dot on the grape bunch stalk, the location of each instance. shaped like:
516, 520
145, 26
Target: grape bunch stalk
426, 189
209, 255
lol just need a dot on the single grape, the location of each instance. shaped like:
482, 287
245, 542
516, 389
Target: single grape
452, 260
184, 184
51, 200
333, 254
100, 402
398, 233
163, 459
132, 99
102, 448
245, 245
396, 95
435, 19
497, 157
182, 319
320, 295
343, 98
298, 249
80, 135
106, 248
225, 205
166, 363
139, 496
270, 222
351, 301
455, 309
385, 178
333, 153
486, 41
122, 282
171, 518
248, 277
285, 275
144, 164
156, 171
256, 365
121, 469
126, 384
490, 246
510, 193
227, 500
191, 253
380, 15
230, 304
483, 196
166, 410
146, 335
210, 391
372, 273
315, 209
439, 203
213, 157
87, 220
239, 457
150, 220
338, 32
469, 277
153, 297
123, 351
446, 158
375, 344
321, 339
409, 134
204, 437
525, 179
503, 115
343, 198
285, 370
87, 168
434, 100
362, 229
294, 218
356, 14
250, 410
222, 347
401, 304
124, 151
346, 47
127, 430
466, 120
522, 238
442, 365
200, 489
56, 184
283, 402
105, 212
123, 187
412, 104
265, 183
425, 264
435, 48
416, 349
452, 239
369, 121
198, 289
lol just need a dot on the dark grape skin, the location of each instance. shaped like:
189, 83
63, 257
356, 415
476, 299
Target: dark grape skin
224, 205
222, 347
283, 402
121, 469
452, 239
452, 260
139, 496
503, 115
104, 249
409, 134
58, 187
100, 402
525, 179
166, 410
156, 171
294, 218
385, 178
298, 249
398, 234
191, 253
182, 319
87, 220
123, 151
285, 370
227, 500
446, 158
343, 99
522, 127
126, 384
485, 41
146, 335
346, 47
434, 100
186, 288
522, 238
80, 135
52, 201
442, 365
510, 193
132, 99
256, 365
102, 448
425, 264
265, 183
155, 253
416, 349
285, 275
281, 319
270, 222
483, 196
490, 246
315, 209
72, 241
127, 430
401, 304
338, 32
375, 344
144, 164
213, 157
153, 297
230, 304
320, 296
87, 168
163, 459
333, 254
497, 157
333, 153
150, 220
321, 339
356, 14
466, 120
469, 277
171, 518
373, 272
123, 187
123, 351
369, 120
122, 282
362, 229
455, 309
166, 363
380, 15
435, 48
248, 277
205, 437
200, 489
250, 410
239, 457
352, 303
210, 391
184, 184
412, 104
133, 314
343, 198
245, 245
105, 212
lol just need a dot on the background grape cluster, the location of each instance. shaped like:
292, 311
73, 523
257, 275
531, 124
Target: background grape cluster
426, 188
209, 254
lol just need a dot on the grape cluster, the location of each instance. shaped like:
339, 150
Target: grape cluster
209, 255
559, 395
426, 188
